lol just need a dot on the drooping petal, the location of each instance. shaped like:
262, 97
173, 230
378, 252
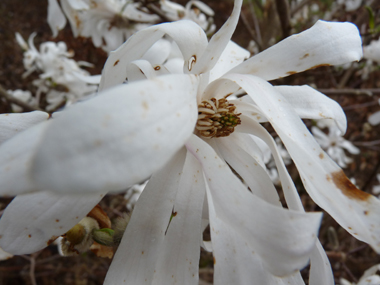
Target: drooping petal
311, 104
191, 43
325, 43
235, 262
218, 42
12, 124
178, 262
33, 221
56, 19
16, 155
246, 166
282, 238
140, 247
118, 138
320, 268
325, 182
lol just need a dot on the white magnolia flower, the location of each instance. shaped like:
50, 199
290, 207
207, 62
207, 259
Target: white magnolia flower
170, 127
335, 144
61, 78
24, 96
372, 51
370, 277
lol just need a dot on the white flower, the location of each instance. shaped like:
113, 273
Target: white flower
335, 144
25, 96
61, 78
374, 119
155, 125
372, 51
133, 194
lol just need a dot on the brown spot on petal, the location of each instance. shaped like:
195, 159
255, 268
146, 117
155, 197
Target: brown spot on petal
366, 213
29, 236
305, 56
145, 105
157, 68
57, 220
291, 72
348, 189
321, 156
319, 65
214, 259
116, 62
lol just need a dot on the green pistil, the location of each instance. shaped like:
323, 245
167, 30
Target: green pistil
229, 120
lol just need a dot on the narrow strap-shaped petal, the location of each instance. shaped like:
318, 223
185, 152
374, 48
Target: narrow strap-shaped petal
56, 19
33, 221
325, 182
273, 232
178, 261
12, 124
218, 42
136, 257
325, 43
311, 104
252, 173
189, 37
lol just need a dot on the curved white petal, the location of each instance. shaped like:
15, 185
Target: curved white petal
235, 262
231, 56
33, 221
283, 238
16, 155
374, 119
136, 257
320, 268
189, 37
325, 43
178, 262
323, 179
218, 42
311, 104
56, 19
12, 124
119, 138
247, 167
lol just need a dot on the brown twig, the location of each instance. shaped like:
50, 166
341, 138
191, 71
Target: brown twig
349, 91
249, 29
11, 99
284, 15
299, 7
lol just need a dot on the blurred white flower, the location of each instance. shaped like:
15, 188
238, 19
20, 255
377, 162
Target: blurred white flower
374, 119
25, 96
133, 194
109, 23
334, 143
370, 277
372, 51
376, 188
62, 79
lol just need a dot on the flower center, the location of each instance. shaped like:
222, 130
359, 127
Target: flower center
217, 118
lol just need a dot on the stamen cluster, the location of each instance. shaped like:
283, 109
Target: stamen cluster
217, 118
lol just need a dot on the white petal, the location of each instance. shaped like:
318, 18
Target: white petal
136, 258
282, 238
320, 268
118, 138
5, 255
218, 42
178, 262
374, 119
191, 43
323, 179
231, 56
235, 262
33, 221
252, 173
326, 43
56, 19
311, 104
16, 155
12, 124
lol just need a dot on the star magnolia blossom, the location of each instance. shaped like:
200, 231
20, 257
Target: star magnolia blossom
170, 127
